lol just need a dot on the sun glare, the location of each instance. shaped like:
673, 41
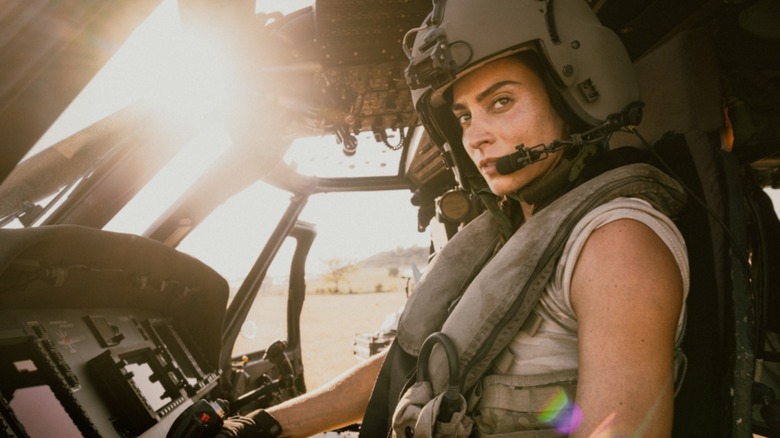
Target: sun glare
193, 73
191, 78
187, 75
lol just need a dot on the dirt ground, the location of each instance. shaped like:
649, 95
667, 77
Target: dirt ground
328, 324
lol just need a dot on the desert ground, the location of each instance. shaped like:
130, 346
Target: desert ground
328, 324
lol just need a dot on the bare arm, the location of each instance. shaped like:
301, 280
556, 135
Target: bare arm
627, 293
338, 403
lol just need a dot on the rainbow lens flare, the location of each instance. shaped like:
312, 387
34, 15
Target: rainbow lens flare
562, 413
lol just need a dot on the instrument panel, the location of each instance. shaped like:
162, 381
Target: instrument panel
103, 334
96, 372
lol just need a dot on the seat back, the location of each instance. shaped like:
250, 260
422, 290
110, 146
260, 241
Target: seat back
683, 118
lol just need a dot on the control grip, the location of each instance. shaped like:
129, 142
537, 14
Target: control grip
203, 419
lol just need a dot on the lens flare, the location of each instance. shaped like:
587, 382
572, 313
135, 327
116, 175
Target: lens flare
562, 413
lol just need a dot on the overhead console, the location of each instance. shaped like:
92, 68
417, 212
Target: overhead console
102, 334
342, 61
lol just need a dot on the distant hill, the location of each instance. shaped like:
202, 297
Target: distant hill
388, 271
402, 258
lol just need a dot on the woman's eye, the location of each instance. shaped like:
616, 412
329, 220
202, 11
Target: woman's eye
501, 102
463, 118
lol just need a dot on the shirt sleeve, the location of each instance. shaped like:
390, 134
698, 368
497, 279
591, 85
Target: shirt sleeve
621, 208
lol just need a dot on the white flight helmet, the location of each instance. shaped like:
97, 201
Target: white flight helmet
585, 63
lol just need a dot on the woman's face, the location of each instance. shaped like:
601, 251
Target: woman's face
499, 106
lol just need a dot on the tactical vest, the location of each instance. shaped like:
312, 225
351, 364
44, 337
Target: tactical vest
480, 298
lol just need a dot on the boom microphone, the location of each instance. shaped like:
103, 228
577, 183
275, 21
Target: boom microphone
631, 115
526, 156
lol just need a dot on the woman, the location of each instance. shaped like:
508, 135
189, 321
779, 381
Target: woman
617, 316
604, 321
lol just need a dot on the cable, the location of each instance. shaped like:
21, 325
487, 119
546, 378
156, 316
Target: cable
695, 197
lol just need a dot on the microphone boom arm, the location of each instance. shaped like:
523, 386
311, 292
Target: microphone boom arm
525, 156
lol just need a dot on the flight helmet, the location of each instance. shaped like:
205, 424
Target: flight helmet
585, 66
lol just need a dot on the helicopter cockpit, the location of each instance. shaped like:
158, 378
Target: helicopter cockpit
115, 316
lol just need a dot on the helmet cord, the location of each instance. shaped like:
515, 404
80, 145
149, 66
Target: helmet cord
695, 197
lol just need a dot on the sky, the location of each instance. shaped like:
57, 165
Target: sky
151, 64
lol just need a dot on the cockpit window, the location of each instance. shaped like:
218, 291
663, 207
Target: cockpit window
231, 238
363, 155
171, 182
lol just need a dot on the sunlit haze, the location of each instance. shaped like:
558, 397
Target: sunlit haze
158, 63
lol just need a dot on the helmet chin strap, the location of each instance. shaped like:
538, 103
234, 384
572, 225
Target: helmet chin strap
558, 180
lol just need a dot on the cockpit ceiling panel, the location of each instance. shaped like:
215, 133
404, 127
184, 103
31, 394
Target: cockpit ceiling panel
359, 85
366, 31
643, 24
